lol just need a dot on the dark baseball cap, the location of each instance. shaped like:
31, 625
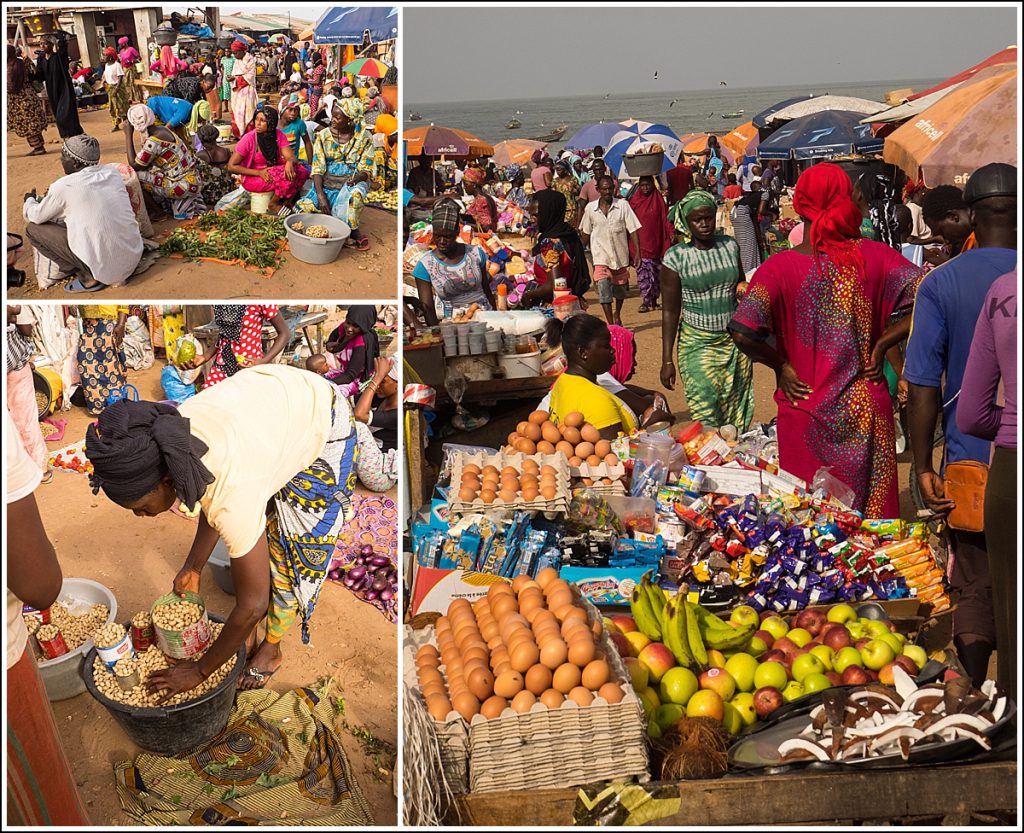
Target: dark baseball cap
997, 179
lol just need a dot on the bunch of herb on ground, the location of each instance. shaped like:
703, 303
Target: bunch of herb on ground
235, 234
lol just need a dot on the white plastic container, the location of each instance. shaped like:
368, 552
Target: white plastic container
259, 202
520, 365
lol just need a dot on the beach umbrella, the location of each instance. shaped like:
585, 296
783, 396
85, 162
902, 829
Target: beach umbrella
435, 140
367, 67
593, 134
974, 124
760, 121
516, 151
823, 103
740, 141
632, 134
820, 135
1006, 56
280, 37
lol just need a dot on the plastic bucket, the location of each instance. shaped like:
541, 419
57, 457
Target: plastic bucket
316, 250
62, 677
220, 566
520, 365
172, 730
644, 164
48, 383
259, 201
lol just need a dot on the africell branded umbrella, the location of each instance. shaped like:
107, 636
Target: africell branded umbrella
632, 135
820, 135
515, 151
434, 140
973, 125
740, 142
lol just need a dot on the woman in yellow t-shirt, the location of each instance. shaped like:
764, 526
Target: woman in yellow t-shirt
587, 345
267, 460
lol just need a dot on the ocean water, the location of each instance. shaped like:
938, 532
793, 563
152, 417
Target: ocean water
694, 111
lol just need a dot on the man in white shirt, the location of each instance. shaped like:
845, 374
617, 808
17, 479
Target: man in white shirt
85, 223
609, 226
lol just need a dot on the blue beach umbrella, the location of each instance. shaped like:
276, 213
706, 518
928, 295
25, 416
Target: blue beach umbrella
593, 134
632, 134
760, 121
821, 135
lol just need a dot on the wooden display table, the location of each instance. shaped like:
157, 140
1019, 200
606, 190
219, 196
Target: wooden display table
950, 794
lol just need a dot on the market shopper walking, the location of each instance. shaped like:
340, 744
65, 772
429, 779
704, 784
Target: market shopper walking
993, 361
52, 67
656, 235
21, 395
25, 111
101, 359
946, 312
267, 461
610, 228
828, 303
699, 280
116, 87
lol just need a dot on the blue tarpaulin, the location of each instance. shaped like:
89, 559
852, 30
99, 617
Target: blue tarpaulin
760, 121
346, 24
824, 134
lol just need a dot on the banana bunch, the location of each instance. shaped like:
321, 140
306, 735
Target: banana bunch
385, 198
646, 606
719, 634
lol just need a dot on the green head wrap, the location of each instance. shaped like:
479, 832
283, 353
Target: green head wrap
200, 112
686, 206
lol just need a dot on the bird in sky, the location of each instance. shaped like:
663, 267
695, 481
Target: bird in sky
722, 84
673, 101
655, 75
607, 95
711, 114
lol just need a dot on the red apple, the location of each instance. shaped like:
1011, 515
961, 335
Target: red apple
767, 700
907, 664
658, 660
837, 637
834, 678
872, 674
773, 655
860, 643
854, 675
718, 680
766, 638
622, 645
764, 614
624, 622
811, 621
786, 645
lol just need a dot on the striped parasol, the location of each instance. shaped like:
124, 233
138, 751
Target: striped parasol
366, 67
435, 140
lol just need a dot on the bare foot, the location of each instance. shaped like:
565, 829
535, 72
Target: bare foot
261, 666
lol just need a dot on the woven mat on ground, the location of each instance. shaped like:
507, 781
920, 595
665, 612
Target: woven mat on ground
375, 522
277, 762
625, 805
265, 271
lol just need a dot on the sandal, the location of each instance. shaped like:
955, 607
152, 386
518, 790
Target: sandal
37, 152
47, 476
644, 308
361, 245
261, 677
77, 286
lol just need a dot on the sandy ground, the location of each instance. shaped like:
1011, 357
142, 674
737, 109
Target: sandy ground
355, 275
137, 559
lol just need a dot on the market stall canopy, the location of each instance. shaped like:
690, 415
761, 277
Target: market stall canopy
435, 140
741, 141
632, 134
515, 151
760, 121
593, 134
824, 103
971, 126
908, 109
825, 134
278, 38
367, 67
1006, 56
346, 24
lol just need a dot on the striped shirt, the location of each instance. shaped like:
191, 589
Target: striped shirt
20, 350
707, 281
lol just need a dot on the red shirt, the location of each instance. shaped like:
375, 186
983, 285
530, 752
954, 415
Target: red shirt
680, 183
733, 192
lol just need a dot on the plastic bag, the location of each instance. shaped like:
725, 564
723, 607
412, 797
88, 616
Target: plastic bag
237, 197
174, 388
825, 482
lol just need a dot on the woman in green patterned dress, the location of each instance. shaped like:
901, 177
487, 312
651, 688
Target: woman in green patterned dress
699, 280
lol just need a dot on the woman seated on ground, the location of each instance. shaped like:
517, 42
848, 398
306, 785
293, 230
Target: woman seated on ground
376, 414
482, 211
342, 168
645, 406
165, 166
264, 161
587, 344
295, 130
352, 349
212, 163
452, 274
517, 190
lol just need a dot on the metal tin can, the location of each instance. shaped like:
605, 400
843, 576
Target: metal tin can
110, 656
51, 641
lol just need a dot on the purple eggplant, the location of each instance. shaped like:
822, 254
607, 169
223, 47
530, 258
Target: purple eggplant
356, 573
379, 584
379, 561
387, 594
366, 549
370, 595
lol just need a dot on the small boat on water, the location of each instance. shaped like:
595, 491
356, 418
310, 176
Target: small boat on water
414, 116
553, 136
735, 115
513, 124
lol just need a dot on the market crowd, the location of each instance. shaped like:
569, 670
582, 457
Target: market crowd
870, 307
271, 124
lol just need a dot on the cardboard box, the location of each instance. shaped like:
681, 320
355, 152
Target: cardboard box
433, 589
604, 585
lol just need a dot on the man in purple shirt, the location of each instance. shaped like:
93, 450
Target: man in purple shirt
993, 359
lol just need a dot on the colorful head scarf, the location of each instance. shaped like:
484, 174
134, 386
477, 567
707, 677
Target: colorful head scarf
386, 125
444, 216
352, 108
238, 46
200, 113
474, 176
110, 52
512, 171
123, 41
624, 345
686, 206
822, 196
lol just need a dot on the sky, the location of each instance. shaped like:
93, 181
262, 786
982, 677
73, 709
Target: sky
471, 54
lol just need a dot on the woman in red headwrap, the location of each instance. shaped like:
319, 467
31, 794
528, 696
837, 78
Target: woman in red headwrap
482, 207
829, 303
117, 88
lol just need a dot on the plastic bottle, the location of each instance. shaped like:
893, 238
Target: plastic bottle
502, 300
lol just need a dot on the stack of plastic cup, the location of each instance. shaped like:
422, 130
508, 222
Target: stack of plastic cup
493, 341
462, 332
448, 333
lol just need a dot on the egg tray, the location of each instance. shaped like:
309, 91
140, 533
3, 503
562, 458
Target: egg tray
559, 504
616, 472
616, 489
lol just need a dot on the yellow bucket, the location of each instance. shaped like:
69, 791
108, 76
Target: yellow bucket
48, 382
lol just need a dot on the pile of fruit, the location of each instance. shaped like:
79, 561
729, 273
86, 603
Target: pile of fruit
384, 198
74, 629
72, 458
574, 437
684, 659
522, 644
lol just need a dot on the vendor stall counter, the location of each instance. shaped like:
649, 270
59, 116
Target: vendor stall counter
207, 333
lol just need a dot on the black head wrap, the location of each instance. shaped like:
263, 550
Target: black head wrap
364, 316
134, 444
268, 141
551, 213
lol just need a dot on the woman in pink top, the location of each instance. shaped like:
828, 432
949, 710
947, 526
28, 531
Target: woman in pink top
264, 160
541, 174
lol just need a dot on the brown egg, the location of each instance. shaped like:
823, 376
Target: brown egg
533, 432
574, 613
593, 460
556, 584
441, 625
523, 701
490, 481
530, 467
432, 689
496, 589
565, 447
547, 468
526, 446
529, 606
607, 481
508, 684
512, 438
481, 683
470, 477
524, 656
467, 705
544, 447
575, 419
601, 447
544, 632
518, 637
538, 679
548, 480
546, 576
427, 652
501, 668
521, 428
530, 493
581, 652
467, 494
587, 481
507, 495
571, 435
566, 677
612, 692
471, 467
493, 706
575, 461
590, 433
595, 674
584, 449
552, 699
574, 629
454, 670
490, 468
519, 582
549, 431
425, 674
548, 492
580, 696
611, 459
476, 650
538, 417
559, 598
488, 495
439, 706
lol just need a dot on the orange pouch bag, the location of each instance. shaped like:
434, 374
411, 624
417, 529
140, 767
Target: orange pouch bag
965, 484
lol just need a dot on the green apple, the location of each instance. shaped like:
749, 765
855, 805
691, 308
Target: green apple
792, 690
816, 682
770, 675
805, 665
856, 629
874, 627
756, 646
845, 657
649, 700
716, 659
653, 730
877, 654
731, 718
893, 640
743, 703
918, 654
666, 714
775, 625
678, 685
841, 613
639, 676
744, 615
799, 636
741, 668
825, 654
